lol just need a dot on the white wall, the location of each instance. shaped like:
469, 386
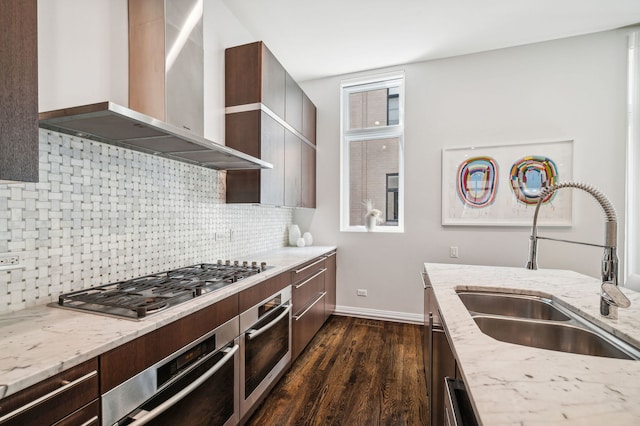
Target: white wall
573, 88
82, 53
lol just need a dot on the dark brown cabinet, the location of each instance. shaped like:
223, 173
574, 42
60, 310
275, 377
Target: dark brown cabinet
19, 91
308, 176
308, 296
330, 284
70, 397
293, 103
292, 170
269, 117
257, 134
254, 75
308, 119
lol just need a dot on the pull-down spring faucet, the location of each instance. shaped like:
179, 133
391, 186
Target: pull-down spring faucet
610, 296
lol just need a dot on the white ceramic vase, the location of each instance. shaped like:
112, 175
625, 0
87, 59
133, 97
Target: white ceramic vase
294, 234
370, 222
300, 242
308, 239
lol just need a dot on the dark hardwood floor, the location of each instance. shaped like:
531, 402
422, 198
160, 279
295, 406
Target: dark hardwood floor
354, 372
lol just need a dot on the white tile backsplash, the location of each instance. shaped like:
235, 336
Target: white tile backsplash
101, 213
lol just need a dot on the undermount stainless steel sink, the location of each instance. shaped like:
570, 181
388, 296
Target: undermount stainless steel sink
539, 322
548, 335
512, 305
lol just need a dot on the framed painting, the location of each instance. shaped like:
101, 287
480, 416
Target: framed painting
500, 185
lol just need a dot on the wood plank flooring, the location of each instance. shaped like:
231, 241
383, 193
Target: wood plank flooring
354, 372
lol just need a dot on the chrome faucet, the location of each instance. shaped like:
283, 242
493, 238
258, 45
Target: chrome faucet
611, 298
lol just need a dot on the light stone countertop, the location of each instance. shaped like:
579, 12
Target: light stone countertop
518, 385
39, 342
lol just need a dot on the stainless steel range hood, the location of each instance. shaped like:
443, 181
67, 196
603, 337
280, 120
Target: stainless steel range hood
166, 114
114, 124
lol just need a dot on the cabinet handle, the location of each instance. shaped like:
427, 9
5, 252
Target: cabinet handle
187, 390
309, 266
255, 333
320, 272
92, 420
297, 317
66, 385
425, 278
333, 253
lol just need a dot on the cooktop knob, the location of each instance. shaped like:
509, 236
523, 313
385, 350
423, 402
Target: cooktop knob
227, 262
254, 264
263, 265
219, 262
245, 264
236, 263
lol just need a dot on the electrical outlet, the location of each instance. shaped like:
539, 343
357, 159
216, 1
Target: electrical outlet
9, 261
453, 252
362, 292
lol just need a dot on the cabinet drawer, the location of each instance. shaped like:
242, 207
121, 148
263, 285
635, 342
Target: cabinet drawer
52, 399
305, 291
306, 324
307, 269
89, 415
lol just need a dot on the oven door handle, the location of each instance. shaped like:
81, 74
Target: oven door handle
251, 334
187, 390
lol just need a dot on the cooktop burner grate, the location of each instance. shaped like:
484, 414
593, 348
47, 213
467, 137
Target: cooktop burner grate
137, 297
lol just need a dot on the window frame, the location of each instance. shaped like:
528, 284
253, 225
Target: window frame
347, 136
632, 205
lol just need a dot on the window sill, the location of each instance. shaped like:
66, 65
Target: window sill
378, 229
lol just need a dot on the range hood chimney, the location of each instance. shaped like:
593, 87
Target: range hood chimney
166, 103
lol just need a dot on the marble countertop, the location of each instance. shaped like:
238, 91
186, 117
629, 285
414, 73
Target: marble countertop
518, 385
39, 342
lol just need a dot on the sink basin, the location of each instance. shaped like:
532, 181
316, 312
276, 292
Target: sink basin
549, 335
512, 305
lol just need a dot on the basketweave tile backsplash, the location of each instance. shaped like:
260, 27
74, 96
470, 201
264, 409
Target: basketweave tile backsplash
101, 213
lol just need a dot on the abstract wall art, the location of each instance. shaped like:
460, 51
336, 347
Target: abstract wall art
530, 175
500, 185
477, 181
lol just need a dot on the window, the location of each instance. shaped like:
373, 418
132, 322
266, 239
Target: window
372, 152
632, 234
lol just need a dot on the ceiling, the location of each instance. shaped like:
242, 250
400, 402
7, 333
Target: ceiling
315, 39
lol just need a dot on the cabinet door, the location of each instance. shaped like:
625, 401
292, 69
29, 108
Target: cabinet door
273, 82
292, 170
308, 119
272, 143
308, 176
293, 104
306, 324
242, 71
58, 397
19, 91
330, 284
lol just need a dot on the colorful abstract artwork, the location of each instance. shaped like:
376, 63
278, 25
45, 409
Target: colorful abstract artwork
500, 185
530, 175
477, 181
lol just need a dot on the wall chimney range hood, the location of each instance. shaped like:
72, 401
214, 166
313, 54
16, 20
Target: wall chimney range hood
165, 116
117, 125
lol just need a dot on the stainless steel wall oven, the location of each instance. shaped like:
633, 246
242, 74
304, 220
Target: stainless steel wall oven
265, 346
197, 385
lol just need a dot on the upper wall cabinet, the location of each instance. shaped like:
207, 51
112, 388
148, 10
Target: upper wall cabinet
270, 117
19, 91
254, 75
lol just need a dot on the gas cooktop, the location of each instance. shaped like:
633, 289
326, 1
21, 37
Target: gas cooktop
138, 297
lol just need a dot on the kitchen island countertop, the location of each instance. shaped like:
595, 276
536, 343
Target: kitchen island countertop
39, 342
518, 385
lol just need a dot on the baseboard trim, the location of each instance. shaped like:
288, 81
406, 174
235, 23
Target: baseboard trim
350, 311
